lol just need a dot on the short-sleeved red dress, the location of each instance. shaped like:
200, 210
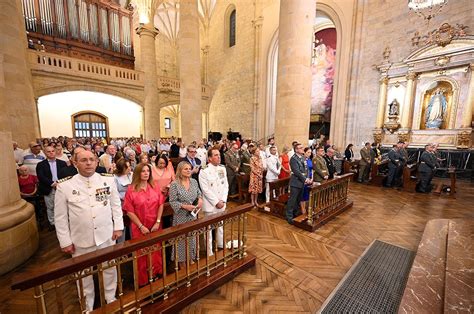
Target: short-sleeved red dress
145, 204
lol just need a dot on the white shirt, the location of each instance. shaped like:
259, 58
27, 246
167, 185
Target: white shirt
263, 157
18, 155
182, 152
87, 210
201, 153
214, 187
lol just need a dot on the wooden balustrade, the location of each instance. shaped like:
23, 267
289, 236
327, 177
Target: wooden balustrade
326, 201
97, 30
170, 292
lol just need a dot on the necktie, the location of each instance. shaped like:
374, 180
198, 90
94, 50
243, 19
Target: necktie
193, 163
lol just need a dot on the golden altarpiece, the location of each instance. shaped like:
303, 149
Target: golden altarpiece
429, 96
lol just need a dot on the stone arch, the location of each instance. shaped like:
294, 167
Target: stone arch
339, 106
88, 88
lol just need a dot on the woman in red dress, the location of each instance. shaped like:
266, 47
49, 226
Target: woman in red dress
144, 205
285, 164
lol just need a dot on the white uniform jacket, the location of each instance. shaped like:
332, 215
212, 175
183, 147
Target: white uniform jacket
214, 187
87, 210
273, 168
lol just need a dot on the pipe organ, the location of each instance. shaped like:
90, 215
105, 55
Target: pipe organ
99, 30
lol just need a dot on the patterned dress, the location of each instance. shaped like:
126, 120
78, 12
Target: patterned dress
256, 174
179, 196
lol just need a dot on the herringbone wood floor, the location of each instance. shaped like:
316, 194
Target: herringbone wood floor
296, 270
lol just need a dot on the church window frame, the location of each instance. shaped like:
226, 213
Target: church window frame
230, 27
87, 124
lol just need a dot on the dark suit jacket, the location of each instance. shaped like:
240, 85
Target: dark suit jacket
197, 161
298, 171
330, 164
349, 154
45, 177
70, 171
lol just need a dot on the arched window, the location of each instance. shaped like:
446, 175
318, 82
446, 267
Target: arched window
90, 124
232, 22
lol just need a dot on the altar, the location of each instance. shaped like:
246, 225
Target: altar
428, 97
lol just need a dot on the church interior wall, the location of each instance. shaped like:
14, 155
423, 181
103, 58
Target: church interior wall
171, 112
231, 70
381, 24
124, 117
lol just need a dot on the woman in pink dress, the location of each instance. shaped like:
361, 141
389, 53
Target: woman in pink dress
163, 175
144, 205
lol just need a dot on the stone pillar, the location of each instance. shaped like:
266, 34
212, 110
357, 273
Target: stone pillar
467, 114
18, 107
257, 24
408, 102
382, 102
190, 69
205, 60
151, 105
293, 100
18, 230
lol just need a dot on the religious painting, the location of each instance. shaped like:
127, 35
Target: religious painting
437, 101
323, 69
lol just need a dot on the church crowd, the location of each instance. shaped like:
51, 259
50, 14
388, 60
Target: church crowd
97, 193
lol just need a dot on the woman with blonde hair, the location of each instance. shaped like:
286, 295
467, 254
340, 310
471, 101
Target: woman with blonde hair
285, 163
186, 200
144, 205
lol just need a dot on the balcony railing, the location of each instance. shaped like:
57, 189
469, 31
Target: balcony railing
98, 30
56, 283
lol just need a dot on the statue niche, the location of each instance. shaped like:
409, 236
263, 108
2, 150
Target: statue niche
437, 101
393, 112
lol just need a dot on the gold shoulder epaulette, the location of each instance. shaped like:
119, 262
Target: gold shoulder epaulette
106, 174
64, 179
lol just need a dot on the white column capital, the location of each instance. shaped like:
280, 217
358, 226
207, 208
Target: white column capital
145, 30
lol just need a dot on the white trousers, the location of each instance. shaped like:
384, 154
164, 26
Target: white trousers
220, 237
49, 201
267, 190
110, 278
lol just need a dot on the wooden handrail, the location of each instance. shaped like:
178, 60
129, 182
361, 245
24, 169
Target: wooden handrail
333, 181
60, 269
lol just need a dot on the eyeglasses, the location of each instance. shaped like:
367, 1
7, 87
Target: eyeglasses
192, 152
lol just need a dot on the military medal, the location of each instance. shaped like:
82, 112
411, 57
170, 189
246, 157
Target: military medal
105, 184
105, 203
74, 192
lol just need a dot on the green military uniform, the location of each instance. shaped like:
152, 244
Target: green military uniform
245, 161
364, 164
232, 165
320, 169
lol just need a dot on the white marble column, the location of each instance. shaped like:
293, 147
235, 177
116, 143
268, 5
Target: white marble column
293, 103
151, 105
190, 72
382, 102
407, 112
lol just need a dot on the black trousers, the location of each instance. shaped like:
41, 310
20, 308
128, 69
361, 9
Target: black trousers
424, 185
293, 205
391, 177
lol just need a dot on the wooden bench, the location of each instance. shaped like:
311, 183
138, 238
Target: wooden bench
441, 278
409, 178
279, 195
243, 187
376, 176
351, 167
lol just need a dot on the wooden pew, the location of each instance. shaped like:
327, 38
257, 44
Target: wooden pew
326, 201
409, 178
279, 195
351, 167
376, 176
243, 187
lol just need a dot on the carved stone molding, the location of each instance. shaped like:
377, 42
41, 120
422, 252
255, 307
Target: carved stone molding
392, 124
464, 138
378, 135
411, 76
404, 135
441, 36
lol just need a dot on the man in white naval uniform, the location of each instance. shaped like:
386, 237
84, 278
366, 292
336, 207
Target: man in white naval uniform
88, 217
214, 187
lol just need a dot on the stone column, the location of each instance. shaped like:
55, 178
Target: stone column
382, 102
467, 114
293, 100
18, 230
257, 24
205, 57
190, 69
151, 105
18, 111
408, 102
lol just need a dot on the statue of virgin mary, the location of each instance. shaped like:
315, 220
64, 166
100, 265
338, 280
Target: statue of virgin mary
436, 110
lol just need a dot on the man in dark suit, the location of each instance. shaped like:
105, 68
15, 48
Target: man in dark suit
297, 181
195, 162
329, 159
426, 169
71, 170
47, 172
395, 162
